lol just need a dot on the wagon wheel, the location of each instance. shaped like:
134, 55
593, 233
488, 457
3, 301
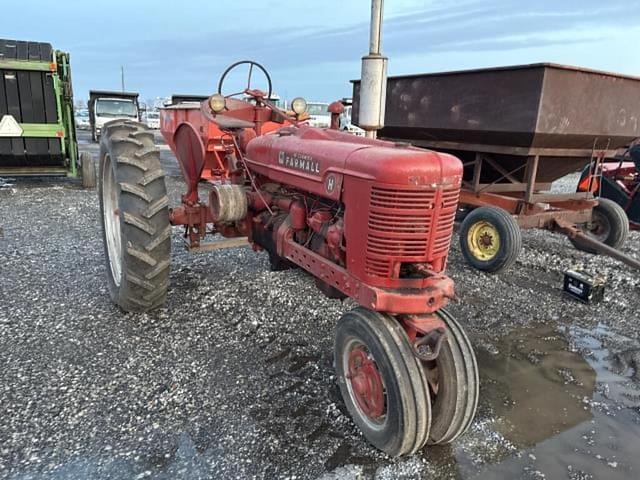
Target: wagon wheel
135, 216
453, 384
609, 225
490, 239
382, 384
251, 64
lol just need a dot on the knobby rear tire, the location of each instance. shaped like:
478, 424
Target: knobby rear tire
135, 216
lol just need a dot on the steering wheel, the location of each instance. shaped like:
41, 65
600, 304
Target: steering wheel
251, 64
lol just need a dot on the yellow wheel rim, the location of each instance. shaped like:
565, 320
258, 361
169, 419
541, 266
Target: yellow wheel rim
483, 240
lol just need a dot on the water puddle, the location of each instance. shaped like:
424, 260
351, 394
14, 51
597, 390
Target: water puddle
556, 402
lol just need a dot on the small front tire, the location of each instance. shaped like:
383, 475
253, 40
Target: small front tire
454, 384
382, 384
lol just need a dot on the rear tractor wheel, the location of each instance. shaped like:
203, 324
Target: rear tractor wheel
490, 239
135, 216
609, 225
383, 386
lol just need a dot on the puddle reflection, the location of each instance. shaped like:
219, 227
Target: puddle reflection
555, 403
536, 385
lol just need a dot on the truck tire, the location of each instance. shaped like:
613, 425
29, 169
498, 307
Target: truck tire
490, 239
610, 225
135, 217
87, 170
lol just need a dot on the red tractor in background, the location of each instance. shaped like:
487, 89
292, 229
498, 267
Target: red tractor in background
369, 219
617, 179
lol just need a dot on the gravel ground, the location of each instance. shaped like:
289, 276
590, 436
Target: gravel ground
234, 377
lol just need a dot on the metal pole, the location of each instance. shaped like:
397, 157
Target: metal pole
122, 76
375, 39
373, 80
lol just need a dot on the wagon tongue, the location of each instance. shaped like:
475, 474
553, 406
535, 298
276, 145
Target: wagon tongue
572, 231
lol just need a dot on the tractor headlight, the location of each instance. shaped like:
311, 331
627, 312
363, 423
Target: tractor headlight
217, 102
299, 105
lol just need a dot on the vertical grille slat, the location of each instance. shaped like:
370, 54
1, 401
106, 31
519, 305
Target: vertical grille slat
401, 226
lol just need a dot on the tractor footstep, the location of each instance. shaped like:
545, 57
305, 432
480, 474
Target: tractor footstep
220, 245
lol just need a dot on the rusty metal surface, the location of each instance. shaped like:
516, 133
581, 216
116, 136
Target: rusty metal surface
539, 105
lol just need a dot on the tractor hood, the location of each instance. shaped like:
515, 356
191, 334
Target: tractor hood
317, 160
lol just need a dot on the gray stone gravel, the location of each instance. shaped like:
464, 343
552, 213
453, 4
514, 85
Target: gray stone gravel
234, 377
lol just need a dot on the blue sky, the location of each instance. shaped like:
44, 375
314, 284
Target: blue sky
314, 48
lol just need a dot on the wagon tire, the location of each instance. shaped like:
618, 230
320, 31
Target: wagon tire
134, 210
381, 382
490, 239
610, 225
87, 170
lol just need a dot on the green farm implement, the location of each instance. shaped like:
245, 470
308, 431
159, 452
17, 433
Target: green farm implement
37, 126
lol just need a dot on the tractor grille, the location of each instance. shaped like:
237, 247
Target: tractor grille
408, 226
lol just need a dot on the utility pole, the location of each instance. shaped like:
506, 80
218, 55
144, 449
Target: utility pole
122, 77
373, 79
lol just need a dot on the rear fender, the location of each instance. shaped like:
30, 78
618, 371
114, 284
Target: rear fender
190, 153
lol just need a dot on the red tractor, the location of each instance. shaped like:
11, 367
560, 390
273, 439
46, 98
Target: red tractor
618, 180
369, 219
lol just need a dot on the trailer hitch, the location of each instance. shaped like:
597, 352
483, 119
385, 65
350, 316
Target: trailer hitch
572, 231
433, 332
427, 347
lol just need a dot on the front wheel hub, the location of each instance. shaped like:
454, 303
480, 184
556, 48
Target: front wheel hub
366, 384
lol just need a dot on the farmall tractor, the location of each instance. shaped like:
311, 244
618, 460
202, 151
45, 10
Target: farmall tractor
371, 220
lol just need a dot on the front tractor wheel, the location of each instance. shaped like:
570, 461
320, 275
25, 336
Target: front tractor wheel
382, 384
135, 217
453, 384
490, 239
609, 225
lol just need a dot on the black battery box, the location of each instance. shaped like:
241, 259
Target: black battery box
583, 286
